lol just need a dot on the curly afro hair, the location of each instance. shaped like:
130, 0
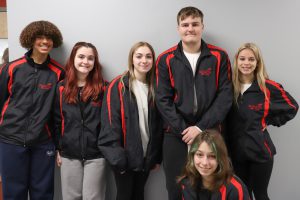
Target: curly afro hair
38, 28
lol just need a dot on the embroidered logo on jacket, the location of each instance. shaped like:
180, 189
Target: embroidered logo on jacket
47, 86
205, 72
255, 107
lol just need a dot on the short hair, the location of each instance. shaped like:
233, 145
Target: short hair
223, 172
189, 11
38, 28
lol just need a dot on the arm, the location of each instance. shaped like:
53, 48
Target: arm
58, 118
110, 137
283, 107
4, 78
164, 97
236, 190
223, 99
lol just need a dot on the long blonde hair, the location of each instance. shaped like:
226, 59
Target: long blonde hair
150, 74
260, 72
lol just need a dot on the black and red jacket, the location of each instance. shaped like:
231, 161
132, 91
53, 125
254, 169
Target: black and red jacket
175, 88
77, 125
120, 139
247, 136
27, 92
234, 190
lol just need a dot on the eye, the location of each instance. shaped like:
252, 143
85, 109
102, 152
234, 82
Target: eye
241, 58
184, 25
199, 154
212, 156
91, 58
252, 59
81, 56
149, 56
195, 24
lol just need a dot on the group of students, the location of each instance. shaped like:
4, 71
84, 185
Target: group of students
184, 110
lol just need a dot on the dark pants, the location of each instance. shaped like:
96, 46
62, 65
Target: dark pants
27, 170
256, 176
130, 185
174, 159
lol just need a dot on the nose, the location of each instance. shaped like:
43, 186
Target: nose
205, 160
190, 27
85, 60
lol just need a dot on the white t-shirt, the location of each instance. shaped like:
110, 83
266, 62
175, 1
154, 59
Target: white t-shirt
193, 58
140, 91
245, 87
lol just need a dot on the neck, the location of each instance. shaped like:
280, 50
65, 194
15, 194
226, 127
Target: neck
246, 79
81, 80
206, 181
140, 77
38, 57
191, 47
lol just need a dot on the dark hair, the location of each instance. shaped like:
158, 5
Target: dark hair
40, 28
94, 80
223, 172
5, 56
189, 11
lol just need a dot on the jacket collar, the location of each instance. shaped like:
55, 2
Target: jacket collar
31, 61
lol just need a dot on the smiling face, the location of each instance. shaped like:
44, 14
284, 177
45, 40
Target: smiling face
246, 63
142, 62
190, 30
84, 61
42, 45
205, 161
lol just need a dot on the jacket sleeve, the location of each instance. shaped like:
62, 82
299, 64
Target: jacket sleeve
110, 137
283, 107
164, 97
237, 190
222, 103
4, 79
57, 118
188, 193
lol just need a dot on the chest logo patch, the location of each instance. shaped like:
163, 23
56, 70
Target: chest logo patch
47, 86
205, 72
255, 107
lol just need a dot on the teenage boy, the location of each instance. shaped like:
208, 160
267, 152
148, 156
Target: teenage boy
27, 88
193, 92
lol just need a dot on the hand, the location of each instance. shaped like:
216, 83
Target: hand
190, 133
156, 167
122, 172
58, 159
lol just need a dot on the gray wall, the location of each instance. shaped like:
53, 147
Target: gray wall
113, 26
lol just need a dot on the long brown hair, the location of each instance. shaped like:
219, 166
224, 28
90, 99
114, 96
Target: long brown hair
223, 172
94, 80
150, 74
260, 73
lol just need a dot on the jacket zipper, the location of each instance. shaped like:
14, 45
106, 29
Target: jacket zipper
82, 125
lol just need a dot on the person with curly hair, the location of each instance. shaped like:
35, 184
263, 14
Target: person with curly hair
27, 88
208, 173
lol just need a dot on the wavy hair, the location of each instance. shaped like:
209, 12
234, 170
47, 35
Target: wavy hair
224, 170
94, 80
260, 72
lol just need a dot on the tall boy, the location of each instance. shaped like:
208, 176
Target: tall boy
193, 92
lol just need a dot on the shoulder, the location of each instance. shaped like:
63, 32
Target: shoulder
56, 64
215, 49
165, 54
236, 187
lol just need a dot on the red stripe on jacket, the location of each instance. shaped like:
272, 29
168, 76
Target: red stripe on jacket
223, 192
158, 59
169, 57
239, 187
61, 88
218, 56
120, 87
10, 82
283, 94
55, 69
108, 97
266, 111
